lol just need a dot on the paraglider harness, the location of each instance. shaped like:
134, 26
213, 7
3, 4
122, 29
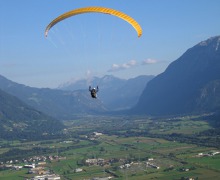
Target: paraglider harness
93, 91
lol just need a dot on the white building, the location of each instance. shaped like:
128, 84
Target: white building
78, 170
46, 177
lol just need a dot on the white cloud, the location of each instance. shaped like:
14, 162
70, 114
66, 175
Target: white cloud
118, 67
149, 61
132, 63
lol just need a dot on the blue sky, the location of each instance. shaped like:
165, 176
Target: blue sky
98, 44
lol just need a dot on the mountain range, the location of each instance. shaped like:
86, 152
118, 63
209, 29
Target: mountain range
190, 84
73, 100
56, 103
115, 93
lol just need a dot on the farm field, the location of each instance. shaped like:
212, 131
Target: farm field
134, 148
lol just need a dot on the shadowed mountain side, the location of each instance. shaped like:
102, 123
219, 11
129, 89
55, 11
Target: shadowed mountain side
18, 120
191, 84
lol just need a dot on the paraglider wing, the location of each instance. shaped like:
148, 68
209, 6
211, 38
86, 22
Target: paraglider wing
95, 9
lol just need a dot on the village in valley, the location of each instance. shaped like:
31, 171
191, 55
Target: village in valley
40, 167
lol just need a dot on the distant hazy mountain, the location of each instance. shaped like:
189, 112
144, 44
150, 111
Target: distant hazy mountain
74, 98
115, 93
191, 84
56, 103
18, 120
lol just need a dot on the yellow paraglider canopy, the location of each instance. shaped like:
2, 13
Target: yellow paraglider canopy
95, 9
